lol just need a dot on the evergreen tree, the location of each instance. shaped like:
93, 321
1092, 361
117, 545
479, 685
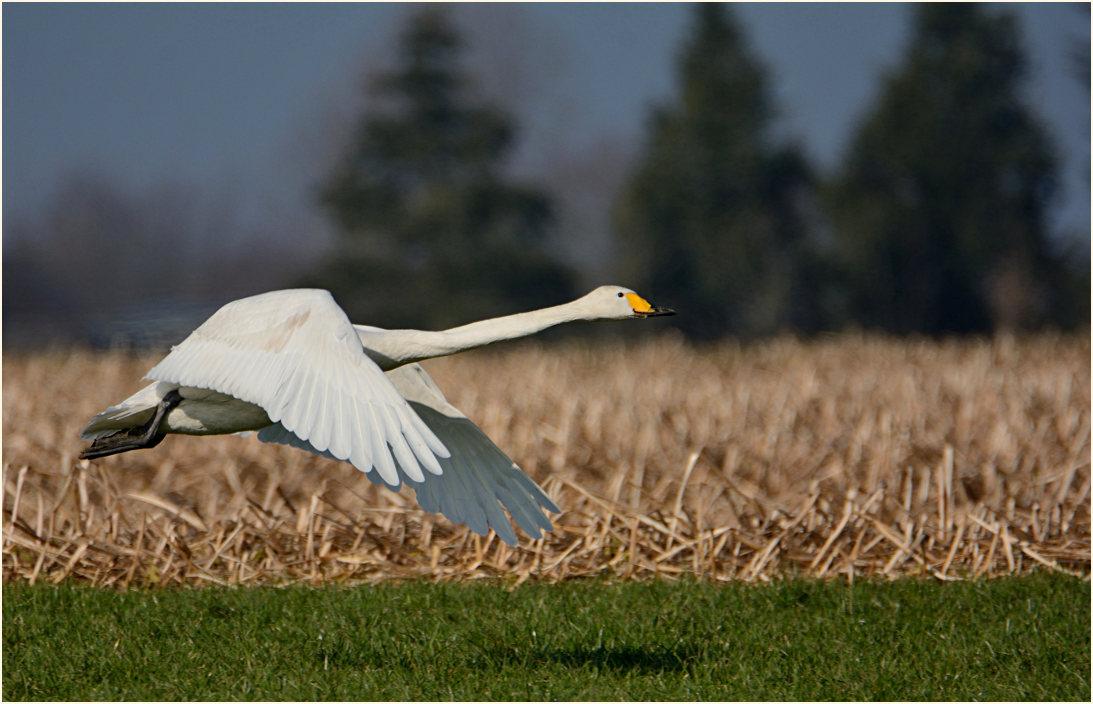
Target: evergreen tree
939, 209
432, 235
712, 219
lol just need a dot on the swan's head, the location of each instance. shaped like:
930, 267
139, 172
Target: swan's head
617, 303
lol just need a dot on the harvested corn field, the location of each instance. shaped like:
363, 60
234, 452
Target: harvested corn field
842, 457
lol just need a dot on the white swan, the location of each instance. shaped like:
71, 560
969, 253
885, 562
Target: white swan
290, 365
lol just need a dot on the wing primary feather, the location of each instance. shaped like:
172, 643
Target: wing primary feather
405, 459
534, 490
410, 431
295, 400
301, 407
377, 479
518, 508
435, 444
524, 510
319, 430
455, 479
452, 496
522, 505
289, 391
460, 502
295, 406
483, 459
488, 496
494, 469
360, 454
475, 514
381, 456
397, 443
425, 498
340, 445
477, 489
341, 426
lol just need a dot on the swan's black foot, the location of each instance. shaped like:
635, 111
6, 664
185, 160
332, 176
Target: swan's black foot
138, 438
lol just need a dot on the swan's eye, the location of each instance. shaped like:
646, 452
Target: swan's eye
621, 294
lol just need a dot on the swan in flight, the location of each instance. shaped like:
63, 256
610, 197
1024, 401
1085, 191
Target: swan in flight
291, 366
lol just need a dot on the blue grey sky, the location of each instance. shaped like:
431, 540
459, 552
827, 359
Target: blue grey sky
237, 97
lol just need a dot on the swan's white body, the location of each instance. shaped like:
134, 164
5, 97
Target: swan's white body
290, 365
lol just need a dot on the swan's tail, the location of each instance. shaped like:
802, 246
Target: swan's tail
133, 424
133, 412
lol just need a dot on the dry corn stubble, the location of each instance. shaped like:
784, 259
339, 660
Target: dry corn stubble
841, 457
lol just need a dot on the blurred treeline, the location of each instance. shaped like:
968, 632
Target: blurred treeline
936, 220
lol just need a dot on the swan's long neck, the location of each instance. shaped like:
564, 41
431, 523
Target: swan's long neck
393, 348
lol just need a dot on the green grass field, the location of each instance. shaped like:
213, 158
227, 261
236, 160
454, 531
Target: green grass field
1007, 639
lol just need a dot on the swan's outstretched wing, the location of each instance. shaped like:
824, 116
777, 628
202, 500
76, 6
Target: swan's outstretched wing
295, 354
476, 476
